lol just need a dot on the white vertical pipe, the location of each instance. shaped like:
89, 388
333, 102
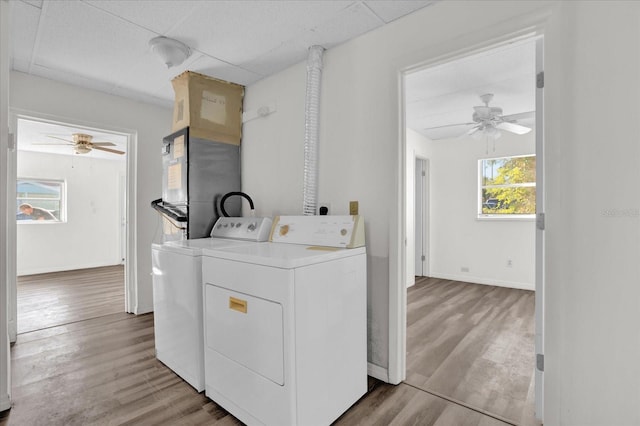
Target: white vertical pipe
311, 118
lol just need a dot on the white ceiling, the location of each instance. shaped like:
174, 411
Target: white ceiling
444, 95
41, 136
103, 45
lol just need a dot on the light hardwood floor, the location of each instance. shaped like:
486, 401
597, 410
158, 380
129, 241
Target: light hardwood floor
47, 300
103, 371
473, 344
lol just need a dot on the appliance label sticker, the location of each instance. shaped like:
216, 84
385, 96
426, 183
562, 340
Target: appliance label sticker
178, 147
214, 107
174, 176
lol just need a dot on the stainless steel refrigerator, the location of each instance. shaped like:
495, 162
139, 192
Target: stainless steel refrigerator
196, 173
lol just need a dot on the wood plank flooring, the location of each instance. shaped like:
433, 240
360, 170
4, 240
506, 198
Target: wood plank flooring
47, 300
473, 344
102, 371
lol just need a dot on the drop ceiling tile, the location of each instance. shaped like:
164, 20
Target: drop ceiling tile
34, 3
73, 39
351, 22
237, 31
390, 10
25, 17
280, 58
159, 16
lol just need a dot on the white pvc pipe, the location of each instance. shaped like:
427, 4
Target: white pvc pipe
311, 119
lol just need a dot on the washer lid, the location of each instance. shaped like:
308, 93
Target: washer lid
194, 247
281, 255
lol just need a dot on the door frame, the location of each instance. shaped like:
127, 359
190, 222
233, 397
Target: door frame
507, 33
130, 213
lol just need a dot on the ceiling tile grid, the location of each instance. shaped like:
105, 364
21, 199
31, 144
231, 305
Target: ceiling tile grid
103, 44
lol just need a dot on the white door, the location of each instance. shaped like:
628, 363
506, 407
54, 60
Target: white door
539, 343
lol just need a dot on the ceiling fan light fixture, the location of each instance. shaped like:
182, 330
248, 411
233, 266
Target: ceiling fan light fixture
82, 149
171, 52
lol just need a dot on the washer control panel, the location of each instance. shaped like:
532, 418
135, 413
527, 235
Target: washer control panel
242, 228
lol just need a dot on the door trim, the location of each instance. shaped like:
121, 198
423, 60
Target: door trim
130, 281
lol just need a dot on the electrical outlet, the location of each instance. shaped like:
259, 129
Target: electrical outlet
464, 269
509, 263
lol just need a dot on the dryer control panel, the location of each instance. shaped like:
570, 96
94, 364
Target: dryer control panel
242, 228
326, 231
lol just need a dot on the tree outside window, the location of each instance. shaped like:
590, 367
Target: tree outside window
44, 196
508, 186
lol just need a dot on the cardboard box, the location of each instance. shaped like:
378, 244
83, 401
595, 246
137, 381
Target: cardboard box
211, 108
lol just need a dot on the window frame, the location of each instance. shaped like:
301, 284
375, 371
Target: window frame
62, 200
502, 216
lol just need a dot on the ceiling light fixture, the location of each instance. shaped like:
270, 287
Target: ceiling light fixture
172, 52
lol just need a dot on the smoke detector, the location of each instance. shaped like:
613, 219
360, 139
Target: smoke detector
172, 52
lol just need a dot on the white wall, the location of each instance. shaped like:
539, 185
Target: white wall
29, 94
593, 214
592, 61
359, 134
5, 360
90, 237
458, 238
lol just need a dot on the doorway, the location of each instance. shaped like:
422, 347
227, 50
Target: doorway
473, 241
87, 167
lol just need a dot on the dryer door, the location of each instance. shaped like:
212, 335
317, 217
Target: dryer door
247, 330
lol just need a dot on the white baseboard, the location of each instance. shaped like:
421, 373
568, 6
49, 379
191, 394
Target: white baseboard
46, 270
484, 281
140, 309
378, 372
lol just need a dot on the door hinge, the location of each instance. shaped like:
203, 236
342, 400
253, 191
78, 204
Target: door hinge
424, 173
11, 142
540, 221
540, 80
424, 258
540, 362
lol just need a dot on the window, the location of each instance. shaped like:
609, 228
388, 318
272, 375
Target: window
508, 186
40, 200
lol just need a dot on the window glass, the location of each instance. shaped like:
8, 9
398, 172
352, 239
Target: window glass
40, 200
508, 186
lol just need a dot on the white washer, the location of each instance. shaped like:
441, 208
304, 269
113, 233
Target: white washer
177, 294
285, 331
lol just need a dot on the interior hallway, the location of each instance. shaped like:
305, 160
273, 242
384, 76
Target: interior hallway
103, 370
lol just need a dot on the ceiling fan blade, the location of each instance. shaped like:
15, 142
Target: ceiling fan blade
520, 116
103, 144
113, 151
473, 130
513, 128
51, 143
66, 140
448, 125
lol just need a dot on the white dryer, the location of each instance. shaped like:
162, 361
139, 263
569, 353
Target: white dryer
177, 293
285, 329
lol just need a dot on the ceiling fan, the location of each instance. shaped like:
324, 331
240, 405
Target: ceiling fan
489, 121
83, 144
